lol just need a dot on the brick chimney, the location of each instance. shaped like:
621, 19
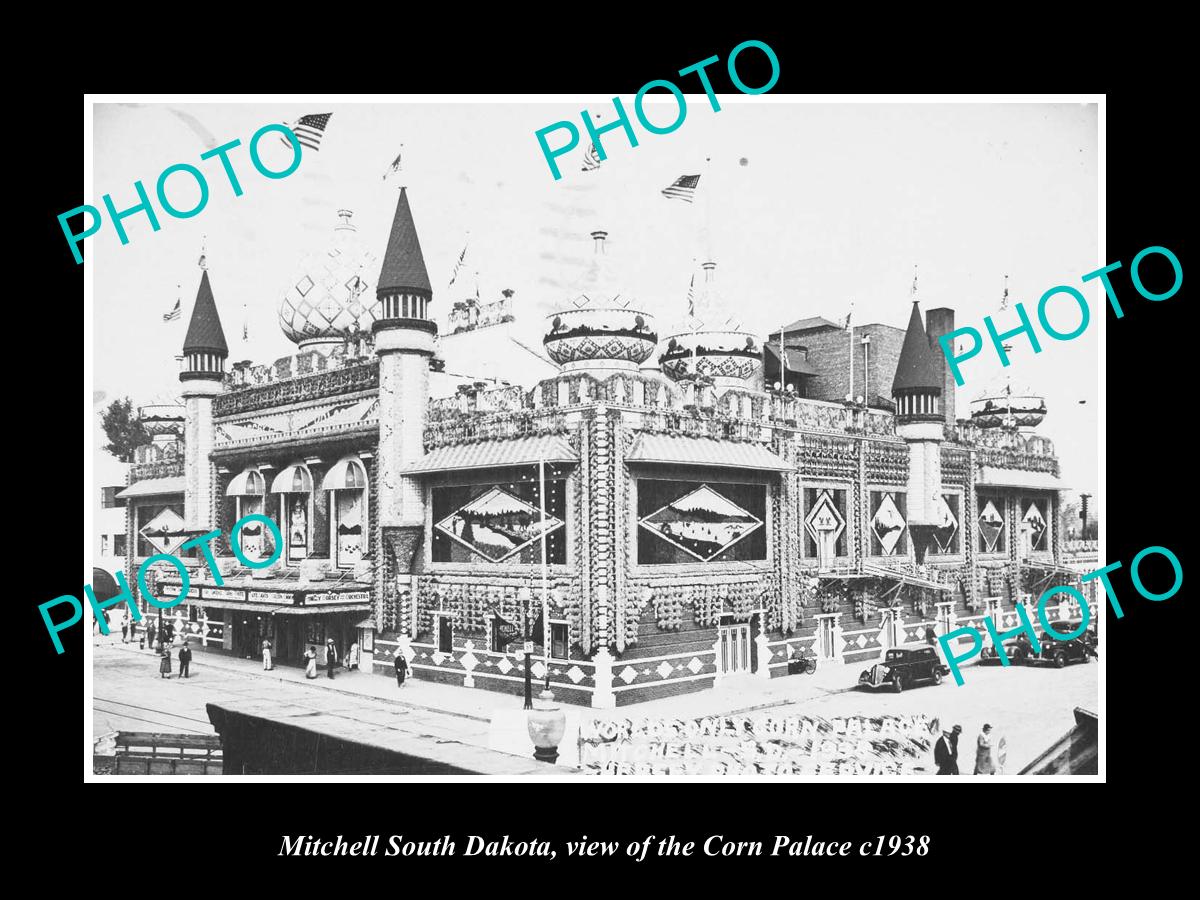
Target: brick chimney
938, 322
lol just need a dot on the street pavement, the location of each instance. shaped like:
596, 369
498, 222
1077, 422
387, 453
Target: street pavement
1031, 707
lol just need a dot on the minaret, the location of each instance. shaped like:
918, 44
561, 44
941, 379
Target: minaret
917, 390
404, 342
204, 354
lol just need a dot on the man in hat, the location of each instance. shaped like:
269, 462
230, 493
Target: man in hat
331, 656
945, 752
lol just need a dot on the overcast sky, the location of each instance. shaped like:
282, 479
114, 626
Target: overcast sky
811, 205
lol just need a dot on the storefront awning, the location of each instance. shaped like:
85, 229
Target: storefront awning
248, 483
991, 476
151, 486
293, 479
674, 449
344, 474
236, 604
524, 451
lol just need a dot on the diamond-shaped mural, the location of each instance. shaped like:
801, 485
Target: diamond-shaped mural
165, 532
497, 525
1037, 527
703, 523
991, 526
947, 526
628, 674
824, 522
888, 524
664, 669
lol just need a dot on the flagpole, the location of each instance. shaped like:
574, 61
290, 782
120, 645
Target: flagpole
782, 362
545, 595
850, 322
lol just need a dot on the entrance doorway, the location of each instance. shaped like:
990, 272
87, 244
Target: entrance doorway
734, 655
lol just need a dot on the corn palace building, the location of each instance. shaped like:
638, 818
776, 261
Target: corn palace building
696, 521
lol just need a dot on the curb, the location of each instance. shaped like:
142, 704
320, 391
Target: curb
323, 687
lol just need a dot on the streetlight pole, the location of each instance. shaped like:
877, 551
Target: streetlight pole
524, 596
545, 596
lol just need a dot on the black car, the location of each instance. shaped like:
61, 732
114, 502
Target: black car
1058, 652
1018, 652
903, 668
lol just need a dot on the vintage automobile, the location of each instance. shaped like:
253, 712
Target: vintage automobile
1058, 652
904, 667
1018, 652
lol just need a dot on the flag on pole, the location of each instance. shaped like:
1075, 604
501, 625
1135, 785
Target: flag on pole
683, 189
846, 327
309, 130
394, 167
245, 325
1004, 299
458, 265
173, 314
591, 159
691, 296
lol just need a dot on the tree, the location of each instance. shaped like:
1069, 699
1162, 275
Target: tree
123, 430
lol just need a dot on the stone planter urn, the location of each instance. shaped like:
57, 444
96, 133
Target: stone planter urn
546, 724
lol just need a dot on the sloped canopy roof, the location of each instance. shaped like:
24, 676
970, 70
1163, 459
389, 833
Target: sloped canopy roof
810, 323
403, 264
918, 367
204, 334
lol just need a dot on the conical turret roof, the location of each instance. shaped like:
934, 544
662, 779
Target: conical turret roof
403, 264
918, 367
204, 334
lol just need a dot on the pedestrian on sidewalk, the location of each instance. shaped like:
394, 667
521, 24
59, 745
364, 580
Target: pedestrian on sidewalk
124, 629
401, 667
150, 634
945, 752
164, 662
268, 665
310, 669
984, 764
331, 656
352, 658
185, 659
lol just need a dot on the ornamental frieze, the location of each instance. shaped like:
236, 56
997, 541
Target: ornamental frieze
295, 390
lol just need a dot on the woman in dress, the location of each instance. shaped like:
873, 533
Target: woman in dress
164, 663
352, 657
266, 653
310, 670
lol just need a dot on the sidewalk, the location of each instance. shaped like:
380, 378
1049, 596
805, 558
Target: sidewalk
733, 695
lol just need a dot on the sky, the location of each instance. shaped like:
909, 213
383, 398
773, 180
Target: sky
805, 207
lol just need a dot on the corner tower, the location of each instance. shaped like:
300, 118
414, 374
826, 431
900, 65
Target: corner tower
917, 391
404, 339
204, 355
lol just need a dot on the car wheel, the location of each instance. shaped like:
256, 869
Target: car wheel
937, 676
1085, 658
1060, 659
898, 684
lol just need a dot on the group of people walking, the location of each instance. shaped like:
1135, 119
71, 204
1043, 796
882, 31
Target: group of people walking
988, 758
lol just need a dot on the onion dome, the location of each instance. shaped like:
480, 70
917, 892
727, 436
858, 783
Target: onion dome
600, 329
712, 343
1003, 404
330, 296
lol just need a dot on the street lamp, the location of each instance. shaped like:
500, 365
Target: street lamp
524, 595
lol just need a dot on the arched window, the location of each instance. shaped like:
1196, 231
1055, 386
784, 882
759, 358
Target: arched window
347, 482
294, 482
248, 490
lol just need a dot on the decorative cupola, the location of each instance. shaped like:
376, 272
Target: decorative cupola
204, 348
600, 329
917, 387
711, 342
403, 287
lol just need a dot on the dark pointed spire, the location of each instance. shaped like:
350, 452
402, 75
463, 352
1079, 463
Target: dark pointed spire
403, 264
204, 334
918, 368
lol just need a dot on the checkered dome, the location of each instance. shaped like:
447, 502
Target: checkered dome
332, 291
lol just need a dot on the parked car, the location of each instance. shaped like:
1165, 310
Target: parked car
1018, 652
905, 667
1059, 652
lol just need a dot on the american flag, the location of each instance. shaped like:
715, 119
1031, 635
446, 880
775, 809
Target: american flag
394, 167
458, 265
691, 297
684, 188
1004, 299
591, 159
173, 314
309, 129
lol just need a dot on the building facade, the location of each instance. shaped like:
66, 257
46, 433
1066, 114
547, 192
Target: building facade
647, 512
